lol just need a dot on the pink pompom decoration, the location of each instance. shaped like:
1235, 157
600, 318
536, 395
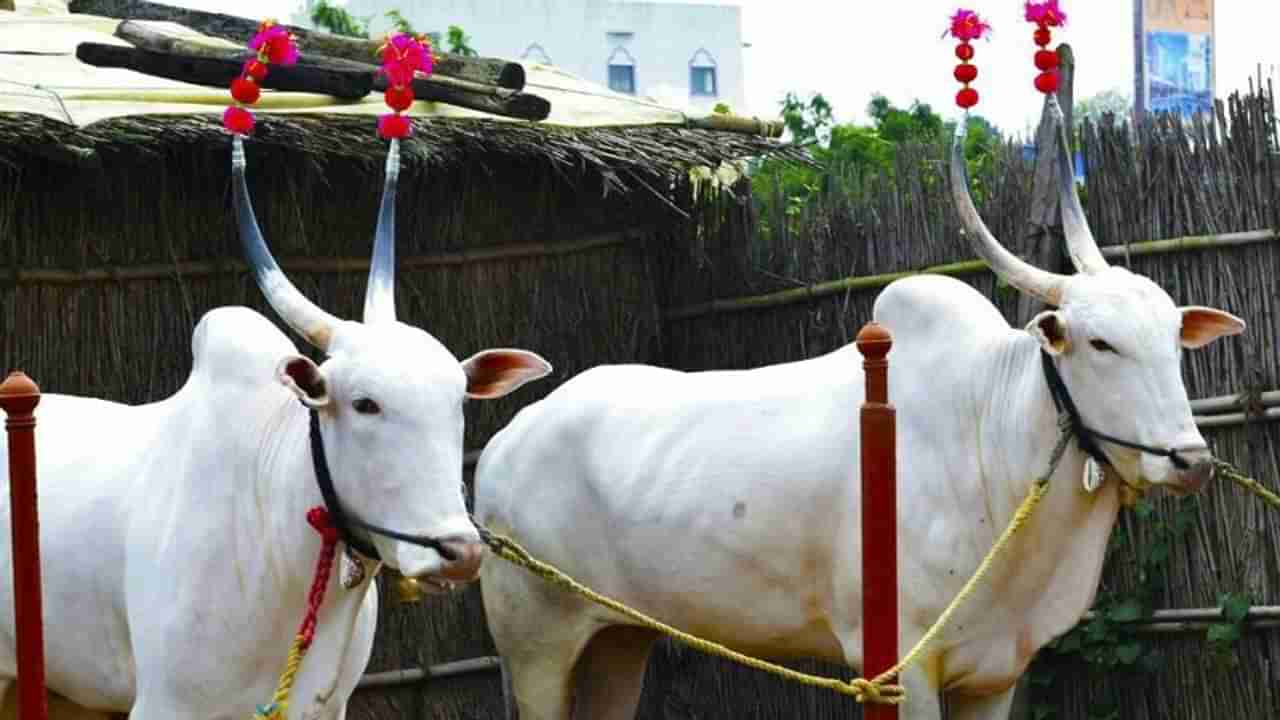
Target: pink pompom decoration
275, 43
403, 55
238, 120
966, 26
1046, 14
394, 125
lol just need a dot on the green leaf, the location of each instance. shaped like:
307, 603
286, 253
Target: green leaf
1129, 652
1143, 510
1127, 611
1235, 606
1223, 634
1042, 711
1042, 677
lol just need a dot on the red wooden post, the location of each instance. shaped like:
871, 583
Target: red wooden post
18, 398
879, 516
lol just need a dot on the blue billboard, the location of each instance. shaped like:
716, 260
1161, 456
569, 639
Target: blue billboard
1174, 44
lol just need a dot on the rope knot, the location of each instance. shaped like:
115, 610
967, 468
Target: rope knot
319, 519
870, 691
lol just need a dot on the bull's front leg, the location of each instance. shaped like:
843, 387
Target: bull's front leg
339, 653
923, 701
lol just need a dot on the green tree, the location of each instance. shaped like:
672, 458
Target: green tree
808, 121
337, 20
399, 22
1107, 102
459, 42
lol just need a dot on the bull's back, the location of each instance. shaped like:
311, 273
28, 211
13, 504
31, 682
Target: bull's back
89, 457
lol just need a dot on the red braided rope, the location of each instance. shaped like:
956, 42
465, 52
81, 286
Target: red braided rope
319, 519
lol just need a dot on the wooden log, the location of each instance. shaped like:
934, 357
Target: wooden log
220, 71
487, 71
485, 98
741, 125
1045, 239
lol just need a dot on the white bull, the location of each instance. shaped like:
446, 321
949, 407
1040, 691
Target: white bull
727, 503
177, 557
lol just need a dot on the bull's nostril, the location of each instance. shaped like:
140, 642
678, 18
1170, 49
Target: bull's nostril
465, 564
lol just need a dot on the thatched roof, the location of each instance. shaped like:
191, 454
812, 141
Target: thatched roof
55, 107
623, 155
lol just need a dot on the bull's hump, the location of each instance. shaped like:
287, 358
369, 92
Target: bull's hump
914, 305
237, 342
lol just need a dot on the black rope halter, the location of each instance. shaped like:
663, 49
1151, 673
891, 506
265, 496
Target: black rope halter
343, 522
1086, 436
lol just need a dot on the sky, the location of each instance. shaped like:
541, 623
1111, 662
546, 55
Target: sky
850, 49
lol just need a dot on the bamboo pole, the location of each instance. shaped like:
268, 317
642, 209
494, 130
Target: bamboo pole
964, 267
1222, 403
198, 268
1212, 421
409, 676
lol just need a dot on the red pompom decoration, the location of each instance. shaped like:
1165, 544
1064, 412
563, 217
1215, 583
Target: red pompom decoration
256, 70
245, 90
1047, 82
1042, 37
1046, 60
399, 98
238, 120
394, 126
965, 27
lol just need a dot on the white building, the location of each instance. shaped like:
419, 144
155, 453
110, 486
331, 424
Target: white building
682, 55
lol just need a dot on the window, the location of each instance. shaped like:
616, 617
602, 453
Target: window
622, 72
622, 78
536, 53
702, 80
702, 74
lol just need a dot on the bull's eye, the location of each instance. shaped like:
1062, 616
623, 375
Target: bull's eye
365, 406
1102, 346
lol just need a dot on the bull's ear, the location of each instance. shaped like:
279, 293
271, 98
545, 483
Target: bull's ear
494, 373
1203, 325
304, 379
1051, 330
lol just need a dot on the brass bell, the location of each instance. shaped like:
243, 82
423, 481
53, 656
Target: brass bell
408, 590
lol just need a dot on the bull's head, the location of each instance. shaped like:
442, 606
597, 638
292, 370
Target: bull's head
1115, 337
389, 399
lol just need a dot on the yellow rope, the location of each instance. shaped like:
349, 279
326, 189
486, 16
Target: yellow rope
875, 690
1248, 483
275, 710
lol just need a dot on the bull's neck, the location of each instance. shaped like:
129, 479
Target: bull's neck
1019, 425
1061, 549
285, 489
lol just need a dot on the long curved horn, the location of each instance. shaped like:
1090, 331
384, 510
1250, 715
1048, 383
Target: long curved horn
1081, 245
1028, 278
314, 324
380, 297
